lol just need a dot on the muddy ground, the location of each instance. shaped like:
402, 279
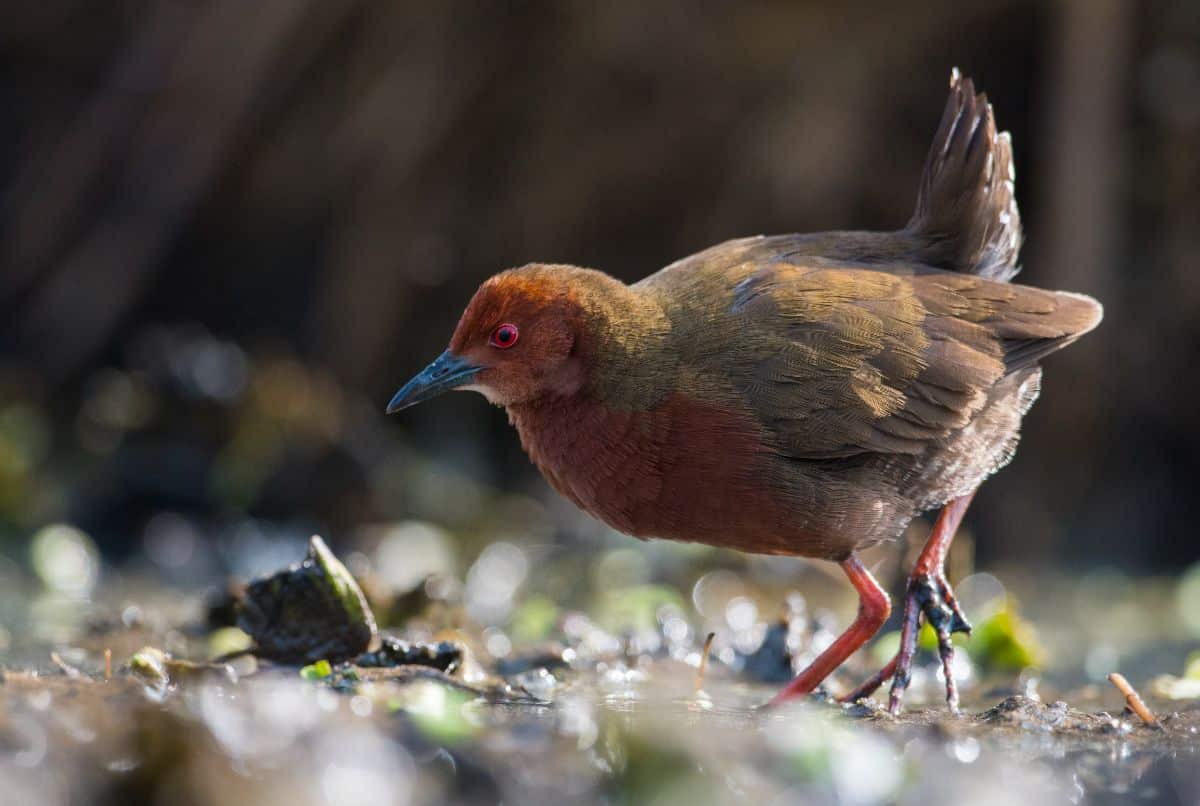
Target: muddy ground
117, 700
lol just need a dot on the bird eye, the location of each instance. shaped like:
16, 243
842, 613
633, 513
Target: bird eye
504, 336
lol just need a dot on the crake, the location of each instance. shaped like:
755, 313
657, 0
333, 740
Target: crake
796, 394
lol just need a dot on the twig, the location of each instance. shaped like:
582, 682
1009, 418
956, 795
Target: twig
67, 669
708, 642
1133, 699
107, 663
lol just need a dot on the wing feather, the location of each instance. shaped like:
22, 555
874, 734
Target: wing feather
848, 361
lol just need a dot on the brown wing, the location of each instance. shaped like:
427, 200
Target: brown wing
838, 362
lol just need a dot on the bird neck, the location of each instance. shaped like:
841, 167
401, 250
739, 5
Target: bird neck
622, 347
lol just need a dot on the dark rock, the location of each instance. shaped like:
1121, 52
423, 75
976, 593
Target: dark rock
771, 662
445, 656
309, 612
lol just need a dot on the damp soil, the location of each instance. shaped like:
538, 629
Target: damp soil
288, 689
426, 722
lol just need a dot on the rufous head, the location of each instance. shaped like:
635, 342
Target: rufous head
515, 342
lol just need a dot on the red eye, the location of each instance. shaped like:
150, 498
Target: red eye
504, 336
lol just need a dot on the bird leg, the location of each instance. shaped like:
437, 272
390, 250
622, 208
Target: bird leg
929, 593
874, 607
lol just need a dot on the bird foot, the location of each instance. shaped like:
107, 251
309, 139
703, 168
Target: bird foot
929, 594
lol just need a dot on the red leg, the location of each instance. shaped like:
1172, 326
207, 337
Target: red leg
928, 592
933, 556
873, 682
874, 607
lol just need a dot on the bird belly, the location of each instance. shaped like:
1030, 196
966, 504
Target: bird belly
683, 470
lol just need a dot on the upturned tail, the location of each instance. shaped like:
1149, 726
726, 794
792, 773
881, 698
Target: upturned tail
966, 218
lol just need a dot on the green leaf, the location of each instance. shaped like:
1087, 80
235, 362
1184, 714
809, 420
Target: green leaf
228, 640
1191, 669
341, 582
317, 671
1006, 642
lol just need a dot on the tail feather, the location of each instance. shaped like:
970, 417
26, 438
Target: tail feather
966, 217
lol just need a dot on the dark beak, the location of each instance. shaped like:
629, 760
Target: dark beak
444, 374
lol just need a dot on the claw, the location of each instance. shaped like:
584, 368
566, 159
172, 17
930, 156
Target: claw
928, 592
958, 620
931, 596
959, 623
945, 651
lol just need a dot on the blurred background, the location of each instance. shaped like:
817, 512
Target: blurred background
229, 231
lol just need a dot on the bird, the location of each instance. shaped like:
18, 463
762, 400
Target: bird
802, 395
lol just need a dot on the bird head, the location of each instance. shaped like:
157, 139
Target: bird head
515, 342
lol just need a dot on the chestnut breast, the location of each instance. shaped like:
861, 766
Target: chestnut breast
681, 470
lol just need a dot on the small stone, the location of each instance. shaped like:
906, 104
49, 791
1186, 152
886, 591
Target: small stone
445, 656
